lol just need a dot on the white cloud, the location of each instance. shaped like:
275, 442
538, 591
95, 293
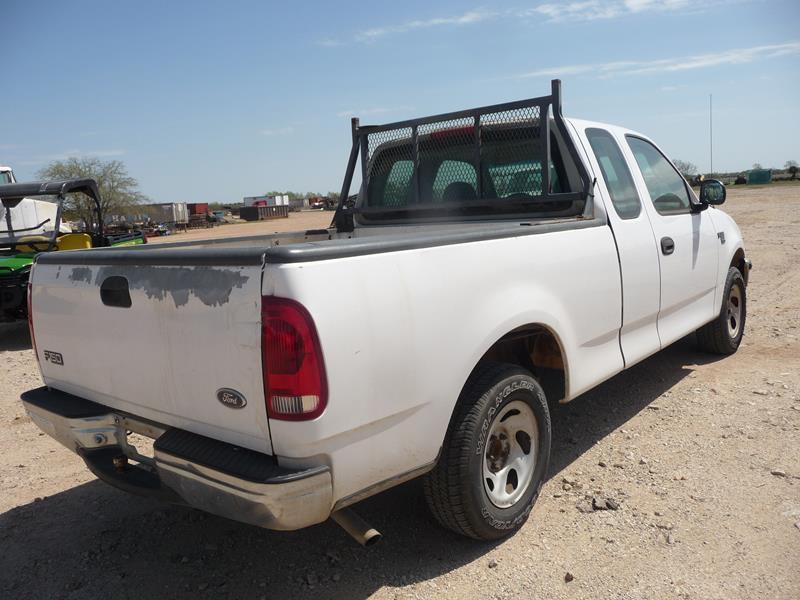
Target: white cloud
280, 131
467, 18
590, 10
557, 12
671, 65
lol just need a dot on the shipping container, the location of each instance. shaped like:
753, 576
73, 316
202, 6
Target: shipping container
170, 212
759, 176
197, 208
260, 213
277, 200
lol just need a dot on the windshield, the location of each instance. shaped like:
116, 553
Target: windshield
28, 221
5, 177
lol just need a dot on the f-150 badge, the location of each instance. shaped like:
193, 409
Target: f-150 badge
53, 357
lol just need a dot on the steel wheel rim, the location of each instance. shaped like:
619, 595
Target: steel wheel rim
734, 311
509, 458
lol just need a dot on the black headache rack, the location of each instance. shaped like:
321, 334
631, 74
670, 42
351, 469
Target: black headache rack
516, 135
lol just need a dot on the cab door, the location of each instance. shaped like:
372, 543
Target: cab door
686, 242
635, 242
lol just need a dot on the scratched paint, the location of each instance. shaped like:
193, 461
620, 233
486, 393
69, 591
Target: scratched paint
80, 274
212, 286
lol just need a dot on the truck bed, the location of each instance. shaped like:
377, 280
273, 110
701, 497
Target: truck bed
376, 296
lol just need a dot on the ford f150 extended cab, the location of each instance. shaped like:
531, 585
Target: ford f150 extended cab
493, 260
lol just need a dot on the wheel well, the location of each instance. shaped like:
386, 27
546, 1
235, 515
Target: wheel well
537, 349
738, 261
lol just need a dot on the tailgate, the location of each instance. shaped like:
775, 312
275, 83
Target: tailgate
160, 342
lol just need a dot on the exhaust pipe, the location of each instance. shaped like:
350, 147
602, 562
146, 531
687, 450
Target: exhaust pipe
358, 529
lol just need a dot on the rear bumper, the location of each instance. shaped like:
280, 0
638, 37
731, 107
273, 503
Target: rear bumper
186, 468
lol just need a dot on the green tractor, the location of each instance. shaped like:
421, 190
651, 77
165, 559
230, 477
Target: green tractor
20, 245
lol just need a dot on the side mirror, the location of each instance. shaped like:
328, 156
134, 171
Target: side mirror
712, 192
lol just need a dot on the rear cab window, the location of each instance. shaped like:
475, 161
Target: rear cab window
398, 183
447, 174
494, 171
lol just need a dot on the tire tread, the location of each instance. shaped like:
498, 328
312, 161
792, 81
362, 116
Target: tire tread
713, 336
444, 485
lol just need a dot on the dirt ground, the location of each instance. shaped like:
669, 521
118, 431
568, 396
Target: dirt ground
297, 221
702, 455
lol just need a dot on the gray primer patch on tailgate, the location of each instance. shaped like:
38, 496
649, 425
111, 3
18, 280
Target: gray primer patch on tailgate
212, 286
81, 274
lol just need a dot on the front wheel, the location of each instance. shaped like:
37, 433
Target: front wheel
495, 454
724, 334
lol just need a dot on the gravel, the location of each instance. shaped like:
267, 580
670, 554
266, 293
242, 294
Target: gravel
702, 519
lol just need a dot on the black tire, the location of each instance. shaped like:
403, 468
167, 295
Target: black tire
455, 488
718, 336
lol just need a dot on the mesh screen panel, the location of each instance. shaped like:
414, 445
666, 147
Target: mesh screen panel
447, 149
497, 152
393, 167
513, 151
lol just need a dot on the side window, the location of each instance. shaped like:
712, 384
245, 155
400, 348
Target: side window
666, 186
455, 180
615, 173
398, 182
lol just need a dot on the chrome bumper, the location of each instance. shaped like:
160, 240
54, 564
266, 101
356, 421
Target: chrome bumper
185, 467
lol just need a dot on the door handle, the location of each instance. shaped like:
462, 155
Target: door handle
667, 245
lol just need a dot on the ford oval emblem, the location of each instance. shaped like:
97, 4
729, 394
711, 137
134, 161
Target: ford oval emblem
231, 398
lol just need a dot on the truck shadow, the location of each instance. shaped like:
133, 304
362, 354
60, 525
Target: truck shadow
14, 336
93, 541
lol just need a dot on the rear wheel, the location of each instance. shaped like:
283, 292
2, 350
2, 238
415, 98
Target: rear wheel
495, 454
724, 334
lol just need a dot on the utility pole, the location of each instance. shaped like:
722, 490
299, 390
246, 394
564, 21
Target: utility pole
711, 133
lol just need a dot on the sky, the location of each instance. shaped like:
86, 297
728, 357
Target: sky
213, 101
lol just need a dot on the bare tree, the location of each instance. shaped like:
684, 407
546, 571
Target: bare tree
118, 190
757, 166
687, 169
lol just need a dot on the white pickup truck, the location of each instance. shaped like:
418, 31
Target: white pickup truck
494, 260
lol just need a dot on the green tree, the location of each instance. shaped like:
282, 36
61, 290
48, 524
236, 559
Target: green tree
791, 166
119, 192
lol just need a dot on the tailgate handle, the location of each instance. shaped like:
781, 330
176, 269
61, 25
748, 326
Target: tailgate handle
114, 292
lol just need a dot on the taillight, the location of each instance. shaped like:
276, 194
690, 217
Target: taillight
30, 321
294, 372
